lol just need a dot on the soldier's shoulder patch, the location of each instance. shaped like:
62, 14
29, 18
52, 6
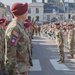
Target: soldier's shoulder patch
15, 33
13, 40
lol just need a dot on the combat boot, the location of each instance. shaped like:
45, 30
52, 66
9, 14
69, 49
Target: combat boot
58, 53
71, 57
62, 61
59, 60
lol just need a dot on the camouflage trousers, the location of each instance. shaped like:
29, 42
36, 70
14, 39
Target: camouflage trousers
0, 59
61, 51
2, 67
71, 47
23, 68
18, 69
11, 68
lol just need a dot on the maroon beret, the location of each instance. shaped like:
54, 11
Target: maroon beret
2, 21
27, 20
27, 23
70, 24
19, 8
7, 22
57, 23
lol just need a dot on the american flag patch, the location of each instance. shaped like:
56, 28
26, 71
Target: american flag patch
15, 33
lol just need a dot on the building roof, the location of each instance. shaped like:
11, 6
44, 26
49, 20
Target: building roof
49, 7
2, 5
36, 4
71, 6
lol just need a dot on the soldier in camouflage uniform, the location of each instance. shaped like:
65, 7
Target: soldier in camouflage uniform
59, 40
17, 42
71, 41
27, 26
35, 30
2, 32
32, 29
39, 30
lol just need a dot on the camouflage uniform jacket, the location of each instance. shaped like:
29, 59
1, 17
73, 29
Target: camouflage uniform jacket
59, 37
16, 43
2, 32
71, 36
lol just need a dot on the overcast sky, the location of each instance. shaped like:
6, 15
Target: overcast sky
10, 2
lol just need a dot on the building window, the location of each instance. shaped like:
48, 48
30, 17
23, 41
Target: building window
54, 11
29, 10
37, 18
29, 17
69, 16
37, 10
48, 17
61, 17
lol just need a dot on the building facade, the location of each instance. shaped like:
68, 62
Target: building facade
50, 12
2, 10
36, 11
53, 12
8, 14
53, 1
5, 11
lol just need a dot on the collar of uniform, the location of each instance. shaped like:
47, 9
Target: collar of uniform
21, 25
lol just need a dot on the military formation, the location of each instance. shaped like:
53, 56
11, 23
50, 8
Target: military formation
16, 40
59, 31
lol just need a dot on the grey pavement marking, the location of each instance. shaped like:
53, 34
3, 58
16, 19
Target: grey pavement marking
36, 65
58, 66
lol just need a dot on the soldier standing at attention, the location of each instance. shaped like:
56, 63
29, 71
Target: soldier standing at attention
27, 26
16, 42
35, 30
32, 30
39, 29
2, 32
71, 41
59, 40
27, 30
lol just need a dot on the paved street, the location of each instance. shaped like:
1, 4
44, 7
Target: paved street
45, 58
